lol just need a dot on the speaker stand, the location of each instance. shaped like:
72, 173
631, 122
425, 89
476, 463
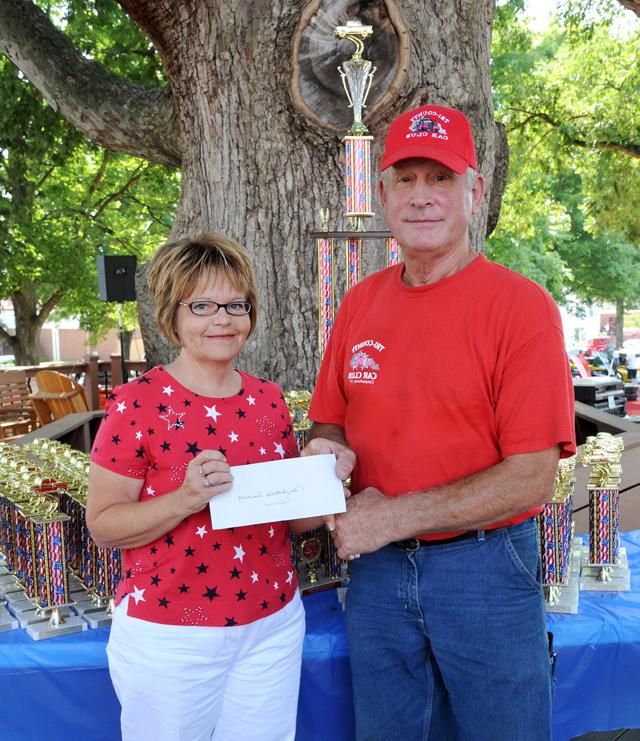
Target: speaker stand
123, 364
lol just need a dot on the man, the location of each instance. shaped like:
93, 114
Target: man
445, 613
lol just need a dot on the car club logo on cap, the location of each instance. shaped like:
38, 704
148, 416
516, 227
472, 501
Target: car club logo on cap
433, 132
422, 125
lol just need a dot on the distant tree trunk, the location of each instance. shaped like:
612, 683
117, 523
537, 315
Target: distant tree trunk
619, 323
29, 318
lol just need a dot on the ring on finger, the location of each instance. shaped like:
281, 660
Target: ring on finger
205, 481
201, 471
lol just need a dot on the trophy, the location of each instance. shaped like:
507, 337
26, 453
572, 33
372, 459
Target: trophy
604, 562
559, 558
356, 73
310, 550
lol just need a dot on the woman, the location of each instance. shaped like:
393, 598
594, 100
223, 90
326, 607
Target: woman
207, 631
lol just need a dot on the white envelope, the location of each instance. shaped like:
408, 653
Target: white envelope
279, 490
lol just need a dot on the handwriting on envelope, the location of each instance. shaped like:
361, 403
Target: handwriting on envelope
279, 490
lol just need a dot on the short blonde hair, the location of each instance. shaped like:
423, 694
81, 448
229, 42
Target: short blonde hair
177, 267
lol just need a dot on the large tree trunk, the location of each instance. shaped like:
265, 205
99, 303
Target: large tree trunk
255, 113
254, 168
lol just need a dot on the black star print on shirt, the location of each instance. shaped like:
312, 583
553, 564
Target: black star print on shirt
169, 540
193, 448
235, 574
211, 430
140, 452
240, 413
265, 604
155, 580
230, 621
263, 550
153, 550
143, 379
164, 602
216, 546
241, 595
184, 588
115, 439
202, 569
166, 446
189, 551
136, 404
211, 593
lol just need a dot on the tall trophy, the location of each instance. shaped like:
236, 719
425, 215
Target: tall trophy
559, 558
604, 562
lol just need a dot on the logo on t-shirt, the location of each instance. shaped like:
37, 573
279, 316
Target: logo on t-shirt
363, 368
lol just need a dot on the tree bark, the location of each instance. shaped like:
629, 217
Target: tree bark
29, 319
255, 168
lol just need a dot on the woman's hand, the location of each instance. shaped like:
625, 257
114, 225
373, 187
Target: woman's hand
208, 474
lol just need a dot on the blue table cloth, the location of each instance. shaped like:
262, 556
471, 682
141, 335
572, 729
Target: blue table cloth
59, 688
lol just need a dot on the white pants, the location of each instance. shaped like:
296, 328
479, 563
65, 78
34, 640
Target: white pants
192, 683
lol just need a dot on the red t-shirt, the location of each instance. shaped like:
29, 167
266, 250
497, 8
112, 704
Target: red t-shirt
435, 383
195, 575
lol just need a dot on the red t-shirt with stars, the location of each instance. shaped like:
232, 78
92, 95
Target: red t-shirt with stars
194, 575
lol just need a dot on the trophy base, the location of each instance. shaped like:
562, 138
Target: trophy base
323, 583
85, 604
7, 621
43, 629
97, 618
563, 598
8, 584
21, 606
605, 577
15, 594
26, 618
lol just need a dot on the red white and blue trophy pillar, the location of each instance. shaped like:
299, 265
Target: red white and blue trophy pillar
560, 561
357, 75
326, 284
604, 562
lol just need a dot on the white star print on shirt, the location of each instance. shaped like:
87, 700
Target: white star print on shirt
263, 451
137, 594
239, 553
251, 401
271, 532
289, 577
122, 405
150, 491
167, 390
233, 436
279, 449
212, 412
276, 585
201, 531
254, 577
138, 435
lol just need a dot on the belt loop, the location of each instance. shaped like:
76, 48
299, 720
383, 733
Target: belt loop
481, 537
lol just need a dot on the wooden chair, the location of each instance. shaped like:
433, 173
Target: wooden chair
17, 413
57, 396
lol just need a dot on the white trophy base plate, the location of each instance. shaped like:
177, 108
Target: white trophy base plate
72, 624
97, 618
618, 577
564, 598
7, 621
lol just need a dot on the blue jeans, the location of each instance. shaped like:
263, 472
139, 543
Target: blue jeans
449, 642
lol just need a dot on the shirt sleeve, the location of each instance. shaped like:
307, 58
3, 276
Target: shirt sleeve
534, 400
116, 446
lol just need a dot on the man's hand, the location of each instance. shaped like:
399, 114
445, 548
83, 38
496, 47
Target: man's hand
345, 457
366, 526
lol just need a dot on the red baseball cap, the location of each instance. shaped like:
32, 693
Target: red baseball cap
432, 132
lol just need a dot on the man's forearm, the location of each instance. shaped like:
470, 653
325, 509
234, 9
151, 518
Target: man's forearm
515, 485
335, 433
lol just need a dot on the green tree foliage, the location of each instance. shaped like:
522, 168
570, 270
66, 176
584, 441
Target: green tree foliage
568, 99
64, 200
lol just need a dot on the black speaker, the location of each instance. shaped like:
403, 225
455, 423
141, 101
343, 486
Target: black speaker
116, 277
